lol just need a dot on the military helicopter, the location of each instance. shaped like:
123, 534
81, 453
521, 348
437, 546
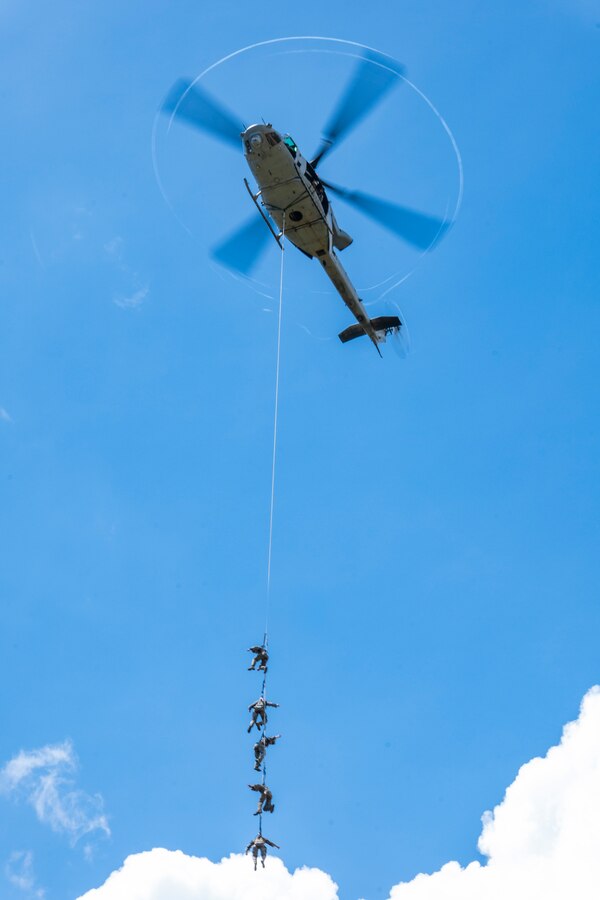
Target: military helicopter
292, 199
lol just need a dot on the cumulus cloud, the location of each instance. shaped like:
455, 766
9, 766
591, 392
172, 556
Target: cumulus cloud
19, 872
542, 842
171, 875
45, 778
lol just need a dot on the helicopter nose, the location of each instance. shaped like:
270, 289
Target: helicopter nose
260, 139
253, 137
255, 129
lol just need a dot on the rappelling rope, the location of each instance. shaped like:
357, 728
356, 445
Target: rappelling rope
263, 692
275, 420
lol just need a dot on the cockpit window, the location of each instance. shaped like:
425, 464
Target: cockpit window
289, 143
272, 138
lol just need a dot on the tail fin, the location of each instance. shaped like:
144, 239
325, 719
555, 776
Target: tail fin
382, 326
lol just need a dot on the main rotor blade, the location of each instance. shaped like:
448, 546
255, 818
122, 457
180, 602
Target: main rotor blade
416, 228
242, 249
373, 77
188, 102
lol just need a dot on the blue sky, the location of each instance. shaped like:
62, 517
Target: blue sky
434, 613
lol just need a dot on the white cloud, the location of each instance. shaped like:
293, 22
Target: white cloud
137, 291
171, 875
134, 300
19, 872
114, 247
542, 842
4, 415
45, 778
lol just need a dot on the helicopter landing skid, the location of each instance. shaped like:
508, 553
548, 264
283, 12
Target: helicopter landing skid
265, 219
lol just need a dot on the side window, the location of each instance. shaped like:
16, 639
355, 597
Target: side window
273, 138
310, 173
316, 183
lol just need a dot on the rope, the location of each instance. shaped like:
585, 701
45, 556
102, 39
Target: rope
263, 692
275, 421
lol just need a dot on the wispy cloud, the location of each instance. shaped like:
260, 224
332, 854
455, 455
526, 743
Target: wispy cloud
45, 779
36, 249
114, 246
4, 415
19, 872
134, 301
138, 292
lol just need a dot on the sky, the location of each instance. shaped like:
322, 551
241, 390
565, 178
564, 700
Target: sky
433, 618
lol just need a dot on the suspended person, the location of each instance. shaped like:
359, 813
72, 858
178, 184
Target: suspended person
259, 845
260, 749
265, 801
260, 656
259, 713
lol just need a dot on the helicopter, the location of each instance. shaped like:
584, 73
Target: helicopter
292, 199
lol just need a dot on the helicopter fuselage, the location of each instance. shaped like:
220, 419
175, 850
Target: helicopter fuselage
295, 198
